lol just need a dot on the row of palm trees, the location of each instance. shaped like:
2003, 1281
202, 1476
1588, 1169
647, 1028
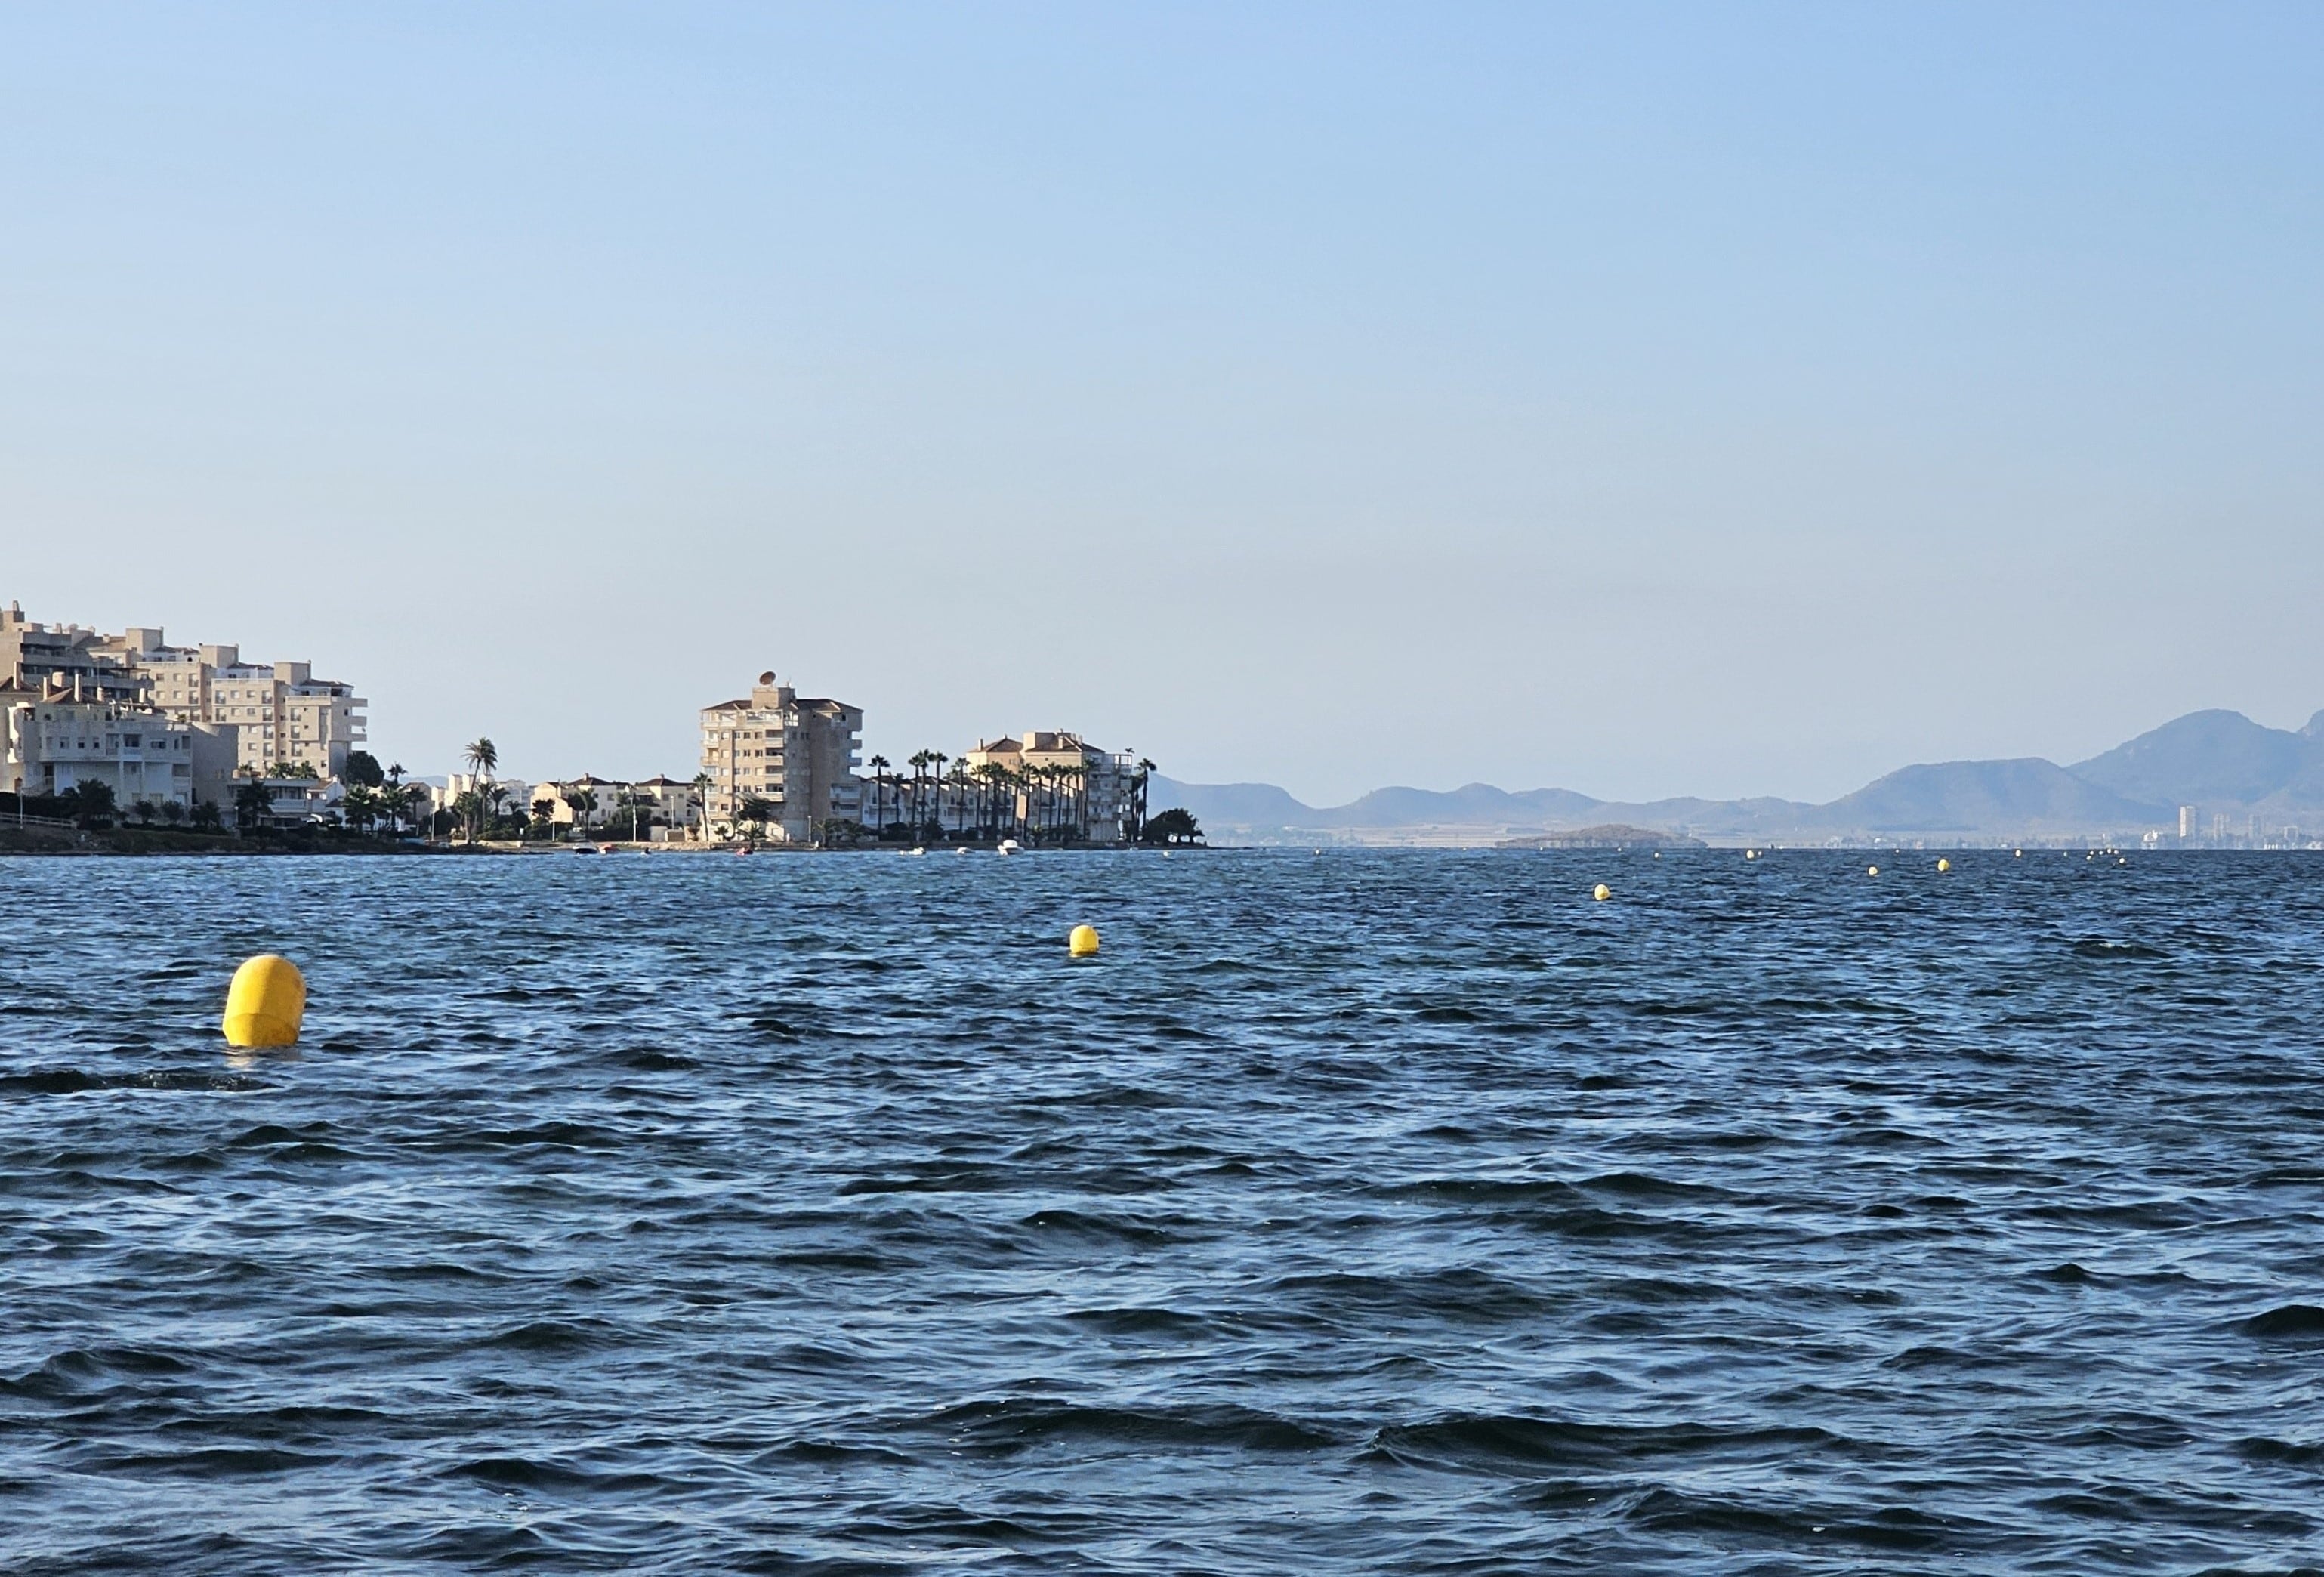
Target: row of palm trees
485, 805
632, 813
392, 803
1034, 803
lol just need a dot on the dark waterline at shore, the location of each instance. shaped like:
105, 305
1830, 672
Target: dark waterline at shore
1370, 1212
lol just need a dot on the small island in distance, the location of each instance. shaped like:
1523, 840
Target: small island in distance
1605, 835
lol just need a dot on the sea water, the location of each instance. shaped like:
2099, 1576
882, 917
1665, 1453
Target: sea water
1350, 1212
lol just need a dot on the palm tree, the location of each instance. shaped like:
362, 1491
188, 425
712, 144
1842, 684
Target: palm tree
700, 799
395, 799
584, 802
1138, 799
988, 778
360, 806
1076, 802
252, 805
402, 799
960, 786
937, 761
482, 758
467, 809
493, 797
919, 765
753, 813
879, 765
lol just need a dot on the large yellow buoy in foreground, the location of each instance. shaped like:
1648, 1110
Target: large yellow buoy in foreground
1082, 942
1602, 893
265, 1003
1872, 870
1944, 865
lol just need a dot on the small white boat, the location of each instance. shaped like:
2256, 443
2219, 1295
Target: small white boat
1008, 846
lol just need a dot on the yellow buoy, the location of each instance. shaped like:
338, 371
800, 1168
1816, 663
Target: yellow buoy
265, 1003
1602, 893
1872, 870
1082, 942
1944, 865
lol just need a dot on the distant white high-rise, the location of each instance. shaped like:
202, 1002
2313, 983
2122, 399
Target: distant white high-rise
2185, 821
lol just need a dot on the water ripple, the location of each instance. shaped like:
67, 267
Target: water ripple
1375, 1211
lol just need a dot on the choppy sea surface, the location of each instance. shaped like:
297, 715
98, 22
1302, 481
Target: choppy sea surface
1360, 1212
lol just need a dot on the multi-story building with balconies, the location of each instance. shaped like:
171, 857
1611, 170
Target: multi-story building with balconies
797, 754
1060, 782
35, 656
58, 739
281, 714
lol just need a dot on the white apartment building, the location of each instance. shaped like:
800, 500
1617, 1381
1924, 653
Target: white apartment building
295, 801
676, 804
516, 795
279, 712
600, 798
283, 714
671, 808
797, 753
57, 740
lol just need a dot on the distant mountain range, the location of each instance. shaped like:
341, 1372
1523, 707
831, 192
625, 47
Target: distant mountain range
2220, 762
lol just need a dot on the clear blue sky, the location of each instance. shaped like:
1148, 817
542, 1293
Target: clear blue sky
1641, 399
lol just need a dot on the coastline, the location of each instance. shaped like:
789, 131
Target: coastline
50, 840
161, 841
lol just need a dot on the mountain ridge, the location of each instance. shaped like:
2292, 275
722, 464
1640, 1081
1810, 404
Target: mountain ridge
2217, 760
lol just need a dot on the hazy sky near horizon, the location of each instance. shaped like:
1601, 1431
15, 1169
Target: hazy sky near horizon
1643, 400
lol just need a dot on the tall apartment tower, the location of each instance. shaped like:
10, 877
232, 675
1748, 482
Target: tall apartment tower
797, 753
2186, 822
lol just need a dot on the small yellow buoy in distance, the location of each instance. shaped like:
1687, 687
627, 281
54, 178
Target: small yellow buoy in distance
265, 1003
1602, 893
1944, 865
1082, 942
1872, 870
